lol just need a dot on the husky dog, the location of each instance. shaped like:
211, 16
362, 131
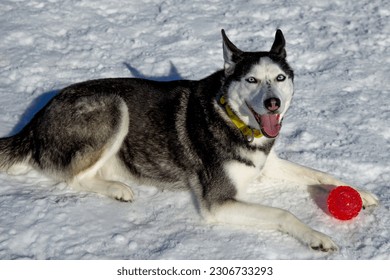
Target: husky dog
213, 136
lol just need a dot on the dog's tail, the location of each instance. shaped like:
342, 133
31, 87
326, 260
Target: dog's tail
13, 150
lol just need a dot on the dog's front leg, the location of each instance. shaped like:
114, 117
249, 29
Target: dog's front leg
264, 217
217, 190
278, 168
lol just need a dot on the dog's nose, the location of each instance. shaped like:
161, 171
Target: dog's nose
272, 104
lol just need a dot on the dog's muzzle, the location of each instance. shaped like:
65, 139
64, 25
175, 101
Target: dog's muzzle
269, 122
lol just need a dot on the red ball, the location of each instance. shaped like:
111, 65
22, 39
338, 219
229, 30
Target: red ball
344, 203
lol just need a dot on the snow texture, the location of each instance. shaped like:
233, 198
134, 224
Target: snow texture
338, 123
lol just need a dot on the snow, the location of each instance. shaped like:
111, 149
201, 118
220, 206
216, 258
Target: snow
338, 122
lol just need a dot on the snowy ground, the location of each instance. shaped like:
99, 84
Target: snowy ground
339, 121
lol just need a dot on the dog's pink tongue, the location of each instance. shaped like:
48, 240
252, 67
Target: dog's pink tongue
270, 125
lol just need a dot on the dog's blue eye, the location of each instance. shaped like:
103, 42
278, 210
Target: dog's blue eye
251, 80
280, 78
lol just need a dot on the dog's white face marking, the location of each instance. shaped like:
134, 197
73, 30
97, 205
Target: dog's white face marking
263, 81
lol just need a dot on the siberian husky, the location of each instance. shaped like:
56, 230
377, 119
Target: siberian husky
213, 136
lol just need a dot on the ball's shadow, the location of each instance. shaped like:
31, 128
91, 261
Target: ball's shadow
319, 194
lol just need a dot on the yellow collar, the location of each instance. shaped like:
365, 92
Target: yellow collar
249, 133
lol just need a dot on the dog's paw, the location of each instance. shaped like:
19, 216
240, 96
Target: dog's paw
369, 199
19, 169
121, 192
320, 242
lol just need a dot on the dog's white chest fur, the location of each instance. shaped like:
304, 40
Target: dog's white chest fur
241, 174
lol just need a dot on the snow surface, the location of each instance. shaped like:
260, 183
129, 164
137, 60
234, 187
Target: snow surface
339, 121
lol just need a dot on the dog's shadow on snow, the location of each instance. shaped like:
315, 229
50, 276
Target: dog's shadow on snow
35, 106
173, 74
41, 101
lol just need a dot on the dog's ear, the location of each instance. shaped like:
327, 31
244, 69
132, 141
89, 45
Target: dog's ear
278, 47
231, 54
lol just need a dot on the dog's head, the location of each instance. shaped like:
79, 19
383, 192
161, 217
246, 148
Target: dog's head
258, 85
